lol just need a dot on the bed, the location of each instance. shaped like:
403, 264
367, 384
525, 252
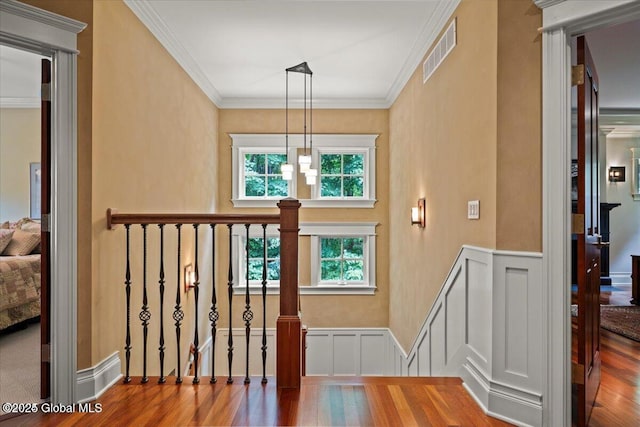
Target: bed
19, 289
19, 272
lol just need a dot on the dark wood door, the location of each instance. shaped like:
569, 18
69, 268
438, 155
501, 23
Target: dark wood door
45, 211
586, 228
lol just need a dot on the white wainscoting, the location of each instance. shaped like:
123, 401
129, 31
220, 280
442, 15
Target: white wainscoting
352, 351
485, 326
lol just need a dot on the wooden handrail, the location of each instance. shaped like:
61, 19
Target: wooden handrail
114, 218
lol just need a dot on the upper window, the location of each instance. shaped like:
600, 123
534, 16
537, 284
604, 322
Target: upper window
345, 164
342, 175
262, 177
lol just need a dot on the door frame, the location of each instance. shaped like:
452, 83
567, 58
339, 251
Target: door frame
28, 28
561, 21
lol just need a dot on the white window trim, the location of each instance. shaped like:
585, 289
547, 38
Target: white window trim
315, 230
325, 143
369, 166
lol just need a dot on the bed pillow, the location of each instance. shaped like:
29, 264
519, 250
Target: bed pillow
22, 243
5, 238
4, 225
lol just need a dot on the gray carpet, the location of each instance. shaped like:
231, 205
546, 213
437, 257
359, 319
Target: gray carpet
20, 366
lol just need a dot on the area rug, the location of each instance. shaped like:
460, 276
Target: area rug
623, 320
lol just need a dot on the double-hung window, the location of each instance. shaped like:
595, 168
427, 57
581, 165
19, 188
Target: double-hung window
345, 164
341, 259
261, 177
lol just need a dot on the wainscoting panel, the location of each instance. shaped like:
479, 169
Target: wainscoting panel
485, 327
359, 351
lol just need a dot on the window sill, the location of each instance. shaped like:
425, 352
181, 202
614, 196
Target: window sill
306, 203
312, 290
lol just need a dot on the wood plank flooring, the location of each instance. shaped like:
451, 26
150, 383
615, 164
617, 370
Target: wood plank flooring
322, 401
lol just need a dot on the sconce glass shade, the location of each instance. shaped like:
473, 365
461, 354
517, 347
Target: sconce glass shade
311, 176
617, 174
418, 214
287, 171
305, 163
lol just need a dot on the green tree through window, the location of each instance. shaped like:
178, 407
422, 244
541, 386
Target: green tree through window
342, 259
262, 177
342, 175
256, 258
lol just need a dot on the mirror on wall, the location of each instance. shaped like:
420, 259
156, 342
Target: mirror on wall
635, 173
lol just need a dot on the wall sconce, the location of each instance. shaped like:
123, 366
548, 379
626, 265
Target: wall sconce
189, 278
616, 174
418, 214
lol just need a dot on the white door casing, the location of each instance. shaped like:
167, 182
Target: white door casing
29, 28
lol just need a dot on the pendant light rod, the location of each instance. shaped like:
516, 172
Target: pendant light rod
286, 120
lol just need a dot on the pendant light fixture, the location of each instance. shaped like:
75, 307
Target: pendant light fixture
304, 160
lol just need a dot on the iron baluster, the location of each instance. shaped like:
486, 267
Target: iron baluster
145, 314
196, 290
127, 282
264, 305
213, 313
230, 292
161, 349
178, 314
247, 315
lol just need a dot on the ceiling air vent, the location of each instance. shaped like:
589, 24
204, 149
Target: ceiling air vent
440, 51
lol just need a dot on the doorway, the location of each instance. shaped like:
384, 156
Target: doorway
23, 318
559, 24
29, 28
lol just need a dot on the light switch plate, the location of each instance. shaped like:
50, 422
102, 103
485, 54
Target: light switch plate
473, 209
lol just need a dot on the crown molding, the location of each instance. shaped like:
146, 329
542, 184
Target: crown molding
43, 16
318, 104
145, 12
6, 102
430, 31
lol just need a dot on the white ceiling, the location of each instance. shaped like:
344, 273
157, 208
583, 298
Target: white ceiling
361, 52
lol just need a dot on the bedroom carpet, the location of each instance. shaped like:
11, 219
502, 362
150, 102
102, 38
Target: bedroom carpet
621, 320
20, 366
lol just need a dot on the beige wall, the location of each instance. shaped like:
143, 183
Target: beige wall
19, 146
519, 155
154, 150
318, 310
464, 135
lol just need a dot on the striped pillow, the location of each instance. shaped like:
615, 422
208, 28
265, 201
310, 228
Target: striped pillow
5, 238
22, 243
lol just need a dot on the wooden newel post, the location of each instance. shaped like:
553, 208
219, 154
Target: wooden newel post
289, 325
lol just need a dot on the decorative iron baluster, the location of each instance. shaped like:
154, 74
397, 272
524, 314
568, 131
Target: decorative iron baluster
230, 292
178, 314
196, 289
264, 305
145, 314
127, 282
213, 314
161, 349
247, 315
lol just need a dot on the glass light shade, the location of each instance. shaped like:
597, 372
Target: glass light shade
415, 216
287, 171
311, 176
305, 163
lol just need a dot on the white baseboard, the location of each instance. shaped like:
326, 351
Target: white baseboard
620, 278
94, 381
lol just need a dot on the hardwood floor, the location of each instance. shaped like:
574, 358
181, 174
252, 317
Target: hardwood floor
322, 401
618, 399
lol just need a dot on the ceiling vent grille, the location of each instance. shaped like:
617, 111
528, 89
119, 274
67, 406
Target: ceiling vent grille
445, 45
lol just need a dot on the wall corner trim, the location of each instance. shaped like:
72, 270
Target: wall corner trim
93, 382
